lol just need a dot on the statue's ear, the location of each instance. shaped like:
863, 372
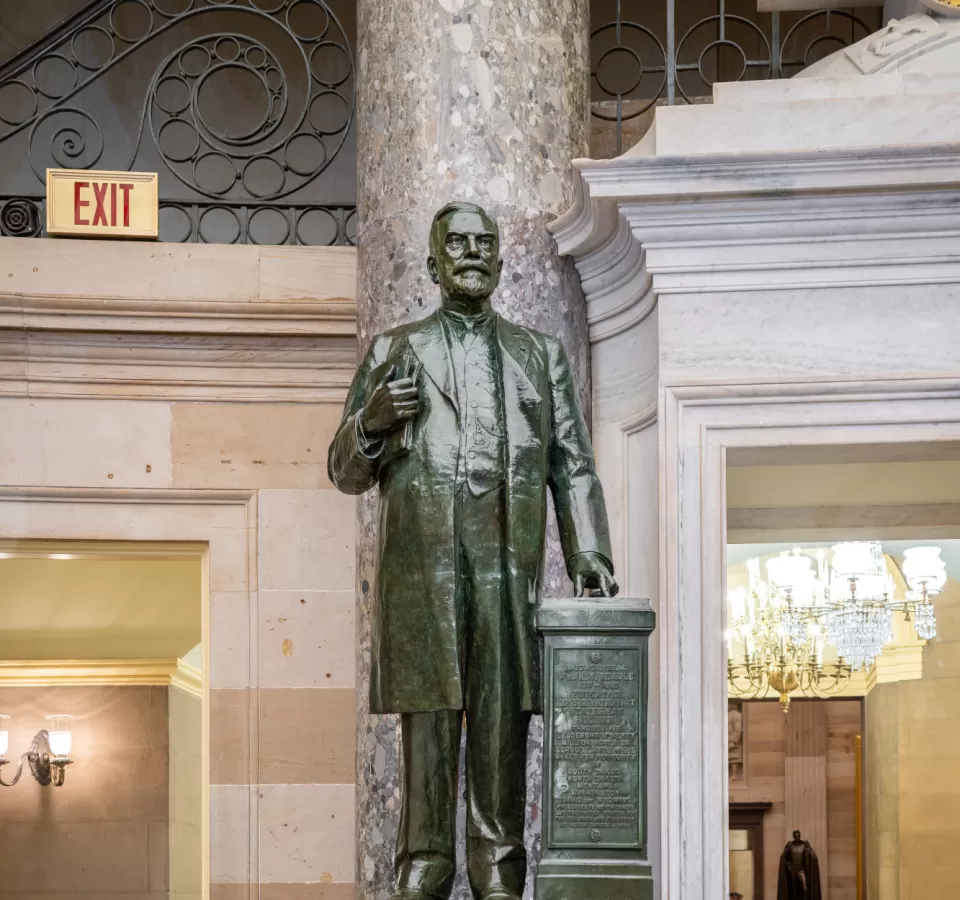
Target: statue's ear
433, 270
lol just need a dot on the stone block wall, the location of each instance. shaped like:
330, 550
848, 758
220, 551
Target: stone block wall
913, 754
189, 393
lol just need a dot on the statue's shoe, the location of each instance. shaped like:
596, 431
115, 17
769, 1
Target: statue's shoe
498, 894
410, 894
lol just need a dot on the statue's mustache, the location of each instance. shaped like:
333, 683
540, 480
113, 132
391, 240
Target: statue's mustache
471, 267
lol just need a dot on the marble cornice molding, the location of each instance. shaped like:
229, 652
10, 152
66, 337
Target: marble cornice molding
645, 226
102, 672
108, 348
319, 318
127, 320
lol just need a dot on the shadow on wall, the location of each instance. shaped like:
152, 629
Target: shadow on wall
130, 803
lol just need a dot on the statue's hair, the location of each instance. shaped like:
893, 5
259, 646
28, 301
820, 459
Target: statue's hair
458, 206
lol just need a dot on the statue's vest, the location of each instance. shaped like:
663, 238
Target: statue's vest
476, 370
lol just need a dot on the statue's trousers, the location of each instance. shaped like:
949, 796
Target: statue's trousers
496, 731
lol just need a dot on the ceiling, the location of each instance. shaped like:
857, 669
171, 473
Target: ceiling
55, 609
843, 484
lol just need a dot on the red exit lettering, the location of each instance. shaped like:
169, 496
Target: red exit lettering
100, 202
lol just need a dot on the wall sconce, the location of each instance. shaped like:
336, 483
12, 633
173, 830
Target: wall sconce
49, 753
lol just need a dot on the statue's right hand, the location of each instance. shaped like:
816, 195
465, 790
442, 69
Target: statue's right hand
393, 402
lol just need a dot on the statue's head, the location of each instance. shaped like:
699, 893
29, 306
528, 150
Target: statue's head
796, 835
464, 252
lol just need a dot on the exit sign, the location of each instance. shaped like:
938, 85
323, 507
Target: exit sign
85, 203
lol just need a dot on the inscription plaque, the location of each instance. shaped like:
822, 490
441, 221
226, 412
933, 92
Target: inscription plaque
595, 740
596, 748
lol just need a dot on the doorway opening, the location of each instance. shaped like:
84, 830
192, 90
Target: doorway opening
842, 628
109, 637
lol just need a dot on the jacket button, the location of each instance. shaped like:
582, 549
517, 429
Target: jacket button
471, 455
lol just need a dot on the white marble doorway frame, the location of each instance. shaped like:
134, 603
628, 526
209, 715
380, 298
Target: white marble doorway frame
222, 527
699, 425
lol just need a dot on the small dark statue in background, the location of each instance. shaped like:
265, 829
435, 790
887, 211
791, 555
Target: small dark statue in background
465, 420
799, 871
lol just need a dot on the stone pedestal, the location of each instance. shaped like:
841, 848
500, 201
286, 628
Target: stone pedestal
595, 748
479, 100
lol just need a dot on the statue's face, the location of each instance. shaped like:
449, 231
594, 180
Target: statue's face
467, 261
796, 835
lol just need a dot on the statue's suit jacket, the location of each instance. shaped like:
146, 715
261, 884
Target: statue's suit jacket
415, 654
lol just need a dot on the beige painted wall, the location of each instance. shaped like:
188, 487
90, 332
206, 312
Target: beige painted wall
913, 757
832, 775
104, 833
159, 375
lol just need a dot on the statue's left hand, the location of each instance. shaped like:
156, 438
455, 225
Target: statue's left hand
590, 572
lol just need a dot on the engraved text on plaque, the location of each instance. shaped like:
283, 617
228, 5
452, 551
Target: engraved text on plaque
596, 748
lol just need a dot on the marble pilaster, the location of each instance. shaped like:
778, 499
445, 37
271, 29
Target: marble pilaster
481, 100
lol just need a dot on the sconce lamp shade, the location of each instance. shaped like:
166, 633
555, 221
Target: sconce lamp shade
791, 572
4, 735
924, 569
853, 559
61, 740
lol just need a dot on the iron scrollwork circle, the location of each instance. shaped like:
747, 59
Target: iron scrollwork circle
250, 135
172, 8
265, 165
38, 78
717, 45
804, 60
19, 218
131, 38
307, 4
630, 28
166, 225
325, 115
212, 210
726, 21
265, 214
182, 131
325, 46
67, 145
232, 51
208, 158
90, 31
174, 109
28, 93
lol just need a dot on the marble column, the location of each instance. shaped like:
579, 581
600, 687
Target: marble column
481, 100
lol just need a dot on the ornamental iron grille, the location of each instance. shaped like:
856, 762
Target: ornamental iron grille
645, 55
245, 107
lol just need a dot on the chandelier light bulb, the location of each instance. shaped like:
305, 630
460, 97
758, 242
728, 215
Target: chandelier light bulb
4, 735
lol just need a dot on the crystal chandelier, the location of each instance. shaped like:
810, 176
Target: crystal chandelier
780, 627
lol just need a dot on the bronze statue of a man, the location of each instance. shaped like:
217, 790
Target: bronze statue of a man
799, 875
464, 420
